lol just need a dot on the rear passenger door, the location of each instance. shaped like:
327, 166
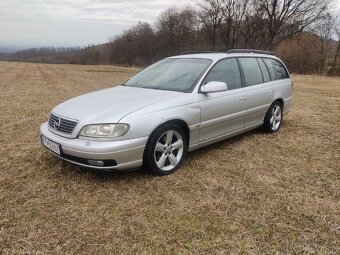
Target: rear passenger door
258, 91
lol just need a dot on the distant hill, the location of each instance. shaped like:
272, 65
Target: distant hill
74, 55
8, 49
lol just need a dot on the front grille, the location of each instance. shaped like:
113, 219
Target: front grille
62, 125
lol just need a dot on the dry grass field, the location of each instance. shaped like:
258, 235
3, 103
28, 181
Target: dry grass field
254, 194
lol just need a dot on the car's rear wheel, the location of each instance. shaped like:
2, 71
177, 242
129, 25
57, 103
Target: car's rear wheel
273, 119
166, 149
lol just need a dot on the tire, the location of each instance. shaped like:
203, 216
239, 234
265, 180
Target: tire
166, 149
273, 118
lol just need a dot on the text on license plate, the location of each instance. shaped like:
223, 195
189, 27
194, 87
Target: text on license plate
55, 147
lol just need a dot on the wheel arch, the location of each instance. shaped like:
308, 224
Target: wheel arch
178, 122
280, 100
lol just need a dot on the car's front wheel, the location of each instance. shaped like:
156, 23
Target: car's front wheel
166, 149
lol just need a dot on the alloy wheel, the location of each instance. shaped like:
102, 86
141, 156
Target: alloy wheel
275, 120
169, 150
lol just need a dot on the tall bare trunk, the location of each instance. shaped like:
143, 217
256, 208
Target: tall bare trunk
334, 70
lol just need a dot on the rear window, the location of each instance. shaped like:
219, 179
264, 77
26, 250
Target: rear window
251, 71
264, 70
277, 70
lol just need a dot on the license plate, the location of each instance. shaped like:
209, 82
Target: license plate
55, 147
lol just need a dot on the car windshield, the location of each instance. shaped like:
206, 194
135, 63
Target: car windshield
174, 74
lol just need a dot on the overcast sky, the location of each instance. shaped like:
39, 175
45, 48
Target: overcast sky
36, 23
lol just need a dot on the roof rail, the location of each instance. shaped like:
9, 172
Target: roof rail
250, 51
197, 52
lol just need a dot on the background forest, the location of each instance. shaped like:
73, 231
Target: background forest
302, 32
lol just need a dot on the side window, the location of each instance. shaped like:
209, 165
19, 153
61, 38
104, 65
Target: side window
277, 70
226, 71
251, 70
264, 70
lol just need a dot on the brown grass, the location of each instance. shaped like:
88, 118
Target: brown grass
257, 193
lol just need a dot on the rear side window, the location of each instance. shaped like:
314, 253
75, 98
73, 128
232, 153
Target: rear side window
251, 70
277, 70
226, 71
265, 72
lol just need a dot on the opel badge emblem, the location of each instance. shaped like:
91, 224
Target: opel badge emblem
57, 123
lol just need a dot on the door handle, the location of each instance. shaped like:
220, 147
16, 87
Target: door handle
242, 100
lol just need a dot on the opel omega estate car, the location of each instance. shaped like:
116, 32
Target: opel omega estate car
174, 106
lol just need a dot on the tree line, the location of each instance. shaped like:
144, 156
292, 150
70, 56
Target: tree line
299, 31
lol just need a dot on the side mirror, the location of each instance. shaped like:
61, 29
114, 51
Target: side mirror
214, 86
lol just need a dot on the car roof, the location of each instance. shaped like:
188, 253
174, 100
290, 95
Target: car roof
218, 56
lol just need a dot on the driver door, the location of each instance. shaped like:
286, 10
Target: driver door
223, 112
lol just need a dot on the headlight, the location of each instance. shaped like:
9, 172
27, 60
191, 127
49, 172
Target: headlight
104, 130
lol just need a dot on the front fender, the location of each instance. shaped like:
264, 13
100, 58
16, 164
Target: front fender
144, 124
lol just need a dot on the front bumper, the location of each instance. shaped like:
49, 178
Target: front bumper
127, 154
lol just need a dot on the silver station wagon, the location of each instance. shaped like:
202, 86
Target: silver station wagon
174, 106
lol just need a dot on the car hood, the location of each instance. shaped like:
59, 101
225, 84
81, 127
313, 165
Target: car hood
110, 105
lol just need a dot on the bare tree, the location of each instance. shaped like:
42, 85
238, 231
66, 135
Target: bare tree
187, 29
167, 29
176, 31
234, 12
252, 30
335, 70
285, 18
211, 15
324, 28
134, 47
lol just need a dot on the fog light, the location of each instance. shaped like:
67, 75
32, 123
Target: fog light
96, 162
